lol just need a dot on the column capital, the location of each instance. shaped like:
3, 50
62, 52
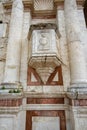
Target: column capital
59, 4
28, 4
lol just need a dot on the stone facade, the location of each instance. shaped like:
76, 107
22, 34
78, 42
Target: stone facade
43, 65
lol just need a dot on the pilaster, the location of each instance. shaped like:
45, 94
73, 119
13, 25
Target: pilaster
12, 71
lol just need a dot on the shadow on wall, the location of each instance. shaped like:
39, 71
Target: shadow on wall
85, 11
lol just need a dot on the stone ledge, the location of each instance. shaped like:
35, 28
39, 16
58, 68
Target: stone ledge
9, 110
11, 96
76, 95
46, 107
44, 95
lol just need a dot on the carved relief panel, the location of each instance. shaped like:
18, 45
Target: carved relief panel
44, 56
44, 42
35, 117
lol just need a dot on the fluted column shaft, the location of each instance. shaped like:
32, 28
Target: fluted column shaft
76, 55
14, 43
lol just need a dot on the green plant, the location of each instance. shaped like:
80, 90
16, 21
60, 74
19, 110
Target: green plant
10, 91
15, 91
18, 91
3, 87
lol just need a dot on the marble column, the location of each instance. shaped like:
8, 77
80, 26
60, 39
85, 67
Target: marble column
76, 54
25, 49
12, 69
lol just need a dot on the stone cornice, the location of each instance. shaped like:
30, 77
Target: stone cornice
29, 5
60, 3
44, 95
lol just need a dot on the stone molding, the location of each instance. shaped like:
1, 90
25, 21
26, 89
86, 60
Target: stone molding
79, 92
45, 95
53, 113
29, 5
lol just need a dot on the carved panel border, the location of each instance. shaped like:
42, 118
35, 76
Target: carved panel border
46, 113
45, 100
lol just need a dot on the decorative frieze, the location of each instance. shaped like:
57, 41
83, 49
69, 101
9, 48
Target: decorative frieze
43, 4
43, 9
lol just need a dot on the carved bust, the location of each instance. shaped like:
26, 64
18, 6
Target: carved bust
43, 41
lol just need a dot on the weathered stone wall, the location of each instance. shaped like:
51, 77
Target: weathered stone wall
63, 47
13, 110
4, 26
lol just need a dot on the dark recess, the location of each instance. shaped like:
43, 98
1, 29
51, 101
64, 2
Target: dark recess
85, 11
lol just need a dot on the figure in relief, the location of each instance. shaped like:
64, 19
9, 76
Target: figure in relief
43, 42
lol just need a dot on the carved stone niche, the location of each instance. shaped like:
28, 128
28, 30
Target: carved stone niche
44, 56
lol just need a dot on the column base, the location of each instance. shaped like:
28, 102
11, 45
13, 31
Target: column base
78, 91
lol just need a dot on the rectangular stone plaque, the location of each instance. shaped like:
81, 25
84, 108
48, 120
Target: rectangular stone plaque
45, 123
44, 41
